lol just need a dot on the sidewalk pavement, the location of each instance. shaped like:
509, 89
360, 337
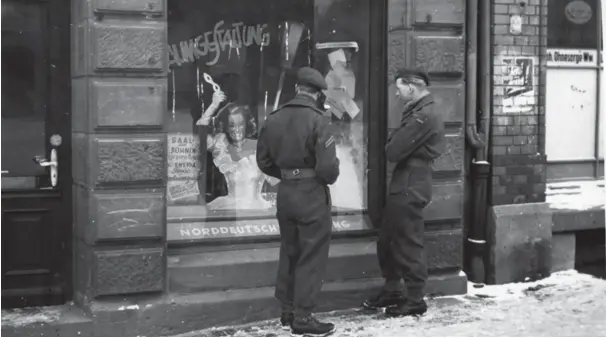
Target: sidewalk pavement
566, 304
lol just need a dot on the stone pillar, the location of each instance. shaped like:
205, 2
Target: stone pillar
119, 81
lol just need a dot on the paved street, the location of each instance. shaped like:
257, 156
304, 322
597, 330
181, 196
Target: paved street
565, 304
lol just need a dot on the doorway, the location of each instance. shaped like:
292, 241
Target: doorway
36, 154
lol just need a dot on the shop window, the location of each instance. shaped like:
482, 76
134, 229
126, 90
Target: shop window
572, 93
572, 24
575, 90
236, 61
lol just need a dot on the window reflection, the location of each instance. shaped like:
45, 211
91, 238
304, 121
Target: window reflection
24, 87
232, 63
572, 24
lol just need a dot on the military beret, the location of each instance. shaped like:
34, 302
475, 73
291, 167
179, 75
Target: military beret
410, 75
312, 78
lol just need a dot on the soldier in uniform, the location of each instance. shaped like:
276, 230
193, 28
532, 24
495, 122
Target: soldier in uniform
295, 146
413, 146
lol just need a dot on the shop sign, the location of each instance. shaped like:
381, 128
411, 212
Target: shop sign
250, 228
571, 57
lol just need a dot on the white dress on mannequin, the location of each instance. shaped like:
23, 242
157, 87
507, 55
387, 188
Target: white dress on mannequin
244, 178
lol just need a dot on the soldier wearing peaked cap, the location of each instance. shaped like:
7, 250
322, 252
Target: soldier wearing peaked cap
295, 146
413, 146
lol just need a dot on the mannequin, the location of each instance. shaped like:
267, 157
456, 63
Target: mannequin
233, 153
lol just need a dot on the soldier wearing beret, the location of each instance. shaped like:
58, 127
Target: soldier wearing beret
412, 146
295, 146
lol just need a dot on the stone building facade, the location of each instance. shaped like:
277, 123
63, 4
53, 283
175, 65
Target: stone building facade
150, 255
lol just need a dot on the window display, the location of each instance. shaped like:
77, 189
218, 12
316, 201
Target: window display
231, 64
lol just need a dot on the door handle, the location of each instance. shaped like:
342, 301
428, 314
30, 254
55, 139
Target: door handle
53, 164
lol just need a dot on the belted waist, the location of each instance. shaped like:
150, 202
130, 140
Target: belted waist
294, 174
418, 162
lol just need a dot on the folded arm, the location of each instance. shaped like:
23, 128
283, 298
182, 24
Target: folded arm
405, 140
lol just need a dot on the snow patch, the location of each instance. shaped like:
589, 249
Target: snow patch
23, 317
576, 195
518, 290
565, 304
130, 307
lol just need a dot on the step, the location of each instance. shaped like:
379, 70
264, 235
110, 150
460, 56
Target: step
251, 268
174, 314
220, 271
60, 321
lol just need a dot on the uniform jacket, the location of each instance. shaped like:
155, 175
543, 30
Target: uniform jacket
297, 136
419, 136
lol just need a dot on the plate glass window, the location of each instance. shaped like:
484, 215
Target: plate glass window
250, 52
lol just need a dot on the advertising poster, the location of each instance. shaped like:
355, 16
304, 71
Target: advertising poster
183, 168
519, 85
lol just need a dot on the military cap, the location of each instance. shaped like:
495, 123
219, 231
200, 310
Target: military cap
310, 77
412, 75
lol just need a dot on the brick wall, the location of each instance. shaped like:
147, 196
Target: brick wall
517, 147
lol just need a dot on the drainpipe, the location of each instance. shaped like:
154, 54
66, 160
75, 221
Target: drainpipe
471, 129
599, 103
475, 243
600, 58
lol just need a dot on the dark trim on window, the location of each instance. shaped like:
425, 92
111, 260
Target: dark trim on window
377, 105
598, 92
575, 170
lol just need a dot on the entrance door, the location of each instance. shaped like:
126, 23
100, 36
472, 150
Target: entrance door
36, 152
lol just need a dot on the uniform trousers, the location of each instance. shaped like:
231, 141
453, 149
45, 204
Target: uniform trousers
304, 216
400, 247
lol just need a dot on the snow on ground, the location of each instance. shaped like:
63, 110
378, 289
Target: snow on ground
576, 195
564, 304
22, 317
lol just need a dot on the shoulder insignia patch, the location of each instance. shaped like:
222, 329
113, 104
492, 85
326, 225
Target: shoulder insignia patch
328, 142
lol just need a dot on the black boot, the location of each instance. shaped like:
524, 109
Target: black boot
286, 319
383, 299
310, 326
407, 308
